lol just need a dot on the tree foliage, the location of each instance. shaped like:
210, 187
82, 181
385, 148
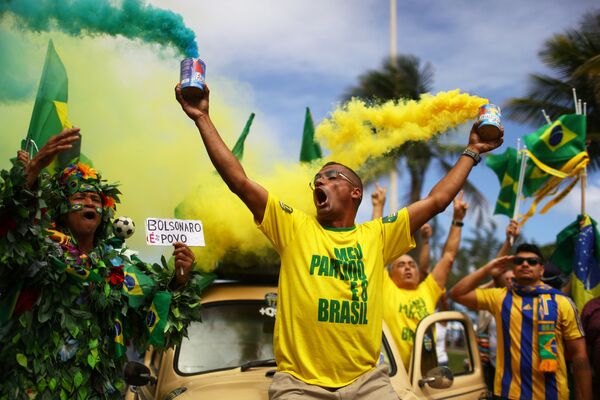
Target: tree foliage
574, 59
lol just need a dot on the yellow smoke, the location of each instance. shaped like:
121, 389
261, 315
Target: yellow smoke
356, 131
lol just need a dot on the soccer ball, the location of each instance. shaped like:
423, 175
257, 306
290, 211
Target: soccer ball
123, 227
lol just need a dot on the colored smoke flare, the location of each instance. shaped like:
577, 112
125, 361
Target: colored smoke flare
129, 18
356, 132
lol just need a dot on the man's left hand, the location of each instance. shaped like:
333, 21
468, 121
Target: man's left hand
478, 145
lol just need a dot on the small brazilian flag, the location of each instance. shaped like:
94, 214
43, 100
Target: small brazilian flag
157, 317
120, 347
136, 285
556, 143
76, 271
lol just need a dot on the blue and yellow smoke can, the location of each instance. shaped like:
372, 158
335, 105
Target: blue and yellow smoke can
192, 77
489, 122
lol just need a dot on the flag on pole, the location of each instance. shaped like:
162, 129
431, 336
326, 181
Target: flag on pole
119, 339
506, 168
49, 115
578, 251
310, 149
558, 152
238, 148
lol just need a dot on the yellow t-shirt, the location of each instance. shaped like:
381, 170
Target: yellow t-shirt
329, 308
404, 309
520, 374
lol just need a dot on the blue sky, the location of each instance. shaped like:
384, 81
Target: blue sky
294, 54
275, 58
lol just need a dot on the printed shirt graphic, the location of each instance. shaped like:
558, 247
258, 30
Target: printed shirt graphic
330, 310
516, 370
403, 309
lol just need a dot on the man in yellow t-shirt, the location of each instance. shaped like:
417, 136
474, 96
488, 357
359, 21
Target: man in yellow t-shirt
537, 330
406, 301
328, 329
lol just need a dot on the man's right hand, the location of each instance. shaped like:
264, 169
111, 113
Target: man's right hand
497, 266
194, 107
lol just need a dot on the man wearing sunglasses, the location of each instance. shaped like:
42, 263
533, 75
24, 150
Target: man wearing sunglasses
537, 326
327, 337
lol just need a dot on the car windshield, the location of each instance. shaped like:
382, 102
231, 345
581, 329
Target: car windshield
230, 334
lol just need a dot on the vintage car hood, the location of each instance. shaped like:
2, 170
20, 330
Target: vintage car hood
246, 385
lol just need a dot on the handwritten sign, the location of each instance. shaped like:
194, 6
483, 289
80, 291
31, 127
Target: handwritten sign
164, 232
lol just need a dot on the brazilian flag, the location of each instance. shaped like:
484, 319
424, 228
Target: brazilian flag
157, 317
119, 339
136, 286
578, 251
310, 149
506, 167
238, 148
76, 271
554, 145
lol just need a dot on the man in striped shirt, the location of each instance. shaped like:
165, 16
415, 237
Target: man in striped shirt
536, 327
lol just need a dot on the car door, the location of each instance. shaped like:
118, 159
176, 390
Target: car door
447, 339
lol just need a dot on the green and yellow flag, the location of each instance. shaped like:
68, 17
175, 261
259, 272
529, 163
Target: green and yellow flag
157, 317
119, 339
578, 252
136, 285
49, 115
558, 152
310, 149
238, 148
506, 168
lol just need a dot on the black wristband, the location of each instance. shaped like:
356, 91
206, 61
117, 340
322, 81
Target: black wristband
474, 155
458, 223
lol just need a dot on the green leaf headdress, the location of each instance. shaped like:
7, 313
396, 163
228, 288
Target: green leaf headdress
80, 177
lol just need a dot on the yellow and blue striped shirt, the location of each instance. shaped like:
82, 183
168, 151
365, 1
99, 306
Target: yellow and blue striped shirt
517, 353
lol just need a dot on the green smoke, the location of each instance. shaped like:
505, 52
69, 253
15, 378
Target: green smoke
19, 68
129, 18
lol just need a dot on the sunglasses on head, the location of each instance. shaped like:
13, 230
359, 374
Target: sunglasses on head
330, 174
530, 260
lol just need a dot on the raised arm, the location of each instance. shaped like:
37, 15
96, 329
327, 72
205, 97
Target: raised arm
464, 291
448, 187
55, 145
378, 201
229, 167
512, 232
442, 268
424, 251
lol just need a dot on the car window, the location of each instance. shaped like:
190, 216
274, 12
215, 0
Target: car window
230, 334
447, 344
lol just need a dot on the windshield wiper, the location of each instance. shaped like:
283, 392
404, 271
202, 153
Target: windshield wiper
258, 363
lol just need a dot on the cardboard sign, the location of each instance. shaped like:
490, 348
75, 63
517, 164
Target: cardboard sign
165, 232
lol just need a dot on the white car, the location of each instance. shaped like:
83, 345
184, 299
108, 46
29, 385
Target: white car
229, 355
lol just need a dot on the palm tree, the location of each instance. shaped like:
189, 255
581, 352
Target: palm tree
574, 57
405, 78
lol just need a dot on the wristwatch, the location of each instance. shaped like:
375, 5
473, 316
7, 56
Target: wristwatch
458, 223
470, 153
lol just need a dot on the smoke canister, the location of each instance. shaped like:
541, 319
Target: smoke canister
191, 77
489, 122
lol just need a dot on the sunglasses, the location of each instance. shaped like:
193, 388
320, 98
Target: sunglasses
530, 260
330, 174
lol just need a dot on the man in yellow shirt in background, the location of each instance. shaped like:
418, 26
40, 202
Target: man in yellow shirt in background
408, 298
327, 337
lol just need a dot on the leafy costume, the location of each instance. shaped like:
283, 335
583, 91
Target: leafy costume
66, 316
